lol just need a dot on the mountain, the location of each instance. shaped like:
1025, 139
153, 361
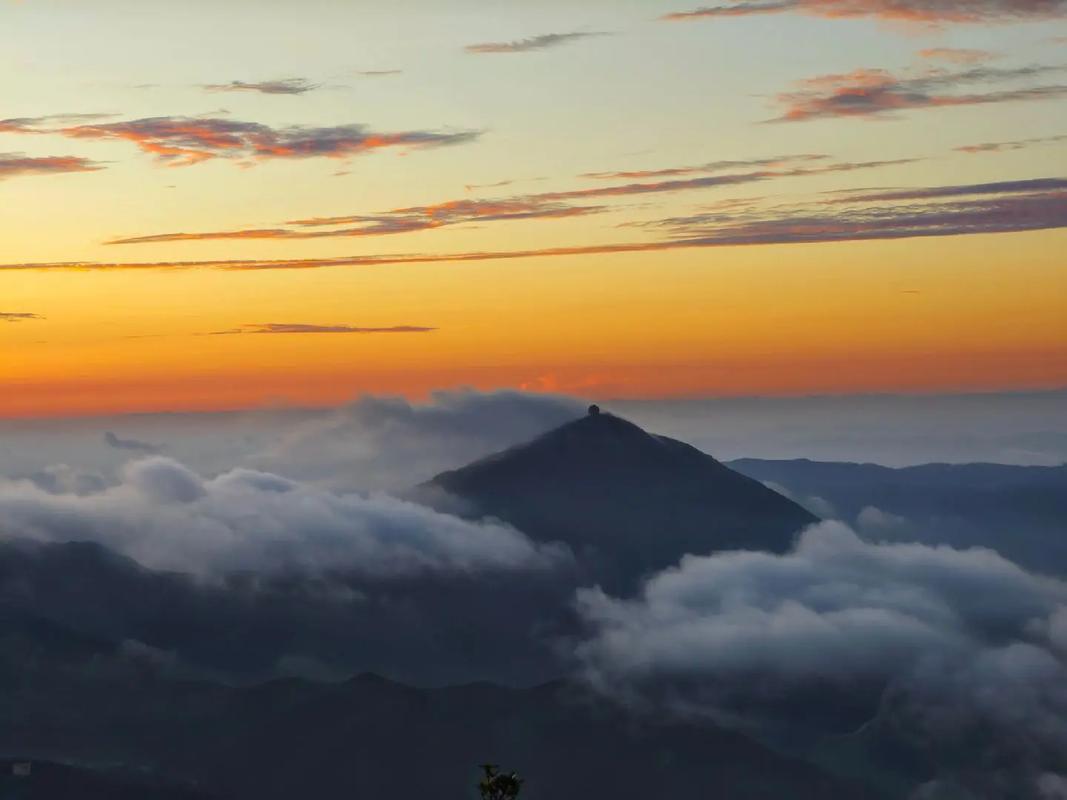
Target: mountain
372, 737
1020, 511
50, 781
626, 501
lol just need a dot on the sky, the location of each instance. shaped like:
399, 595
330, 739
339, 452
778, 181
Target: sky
217, 206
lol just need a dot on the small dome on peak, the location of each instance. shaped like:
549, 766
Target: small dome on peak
594, 410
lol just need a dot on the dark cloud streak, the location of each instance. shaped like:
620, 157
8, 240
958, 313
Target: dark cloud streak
304, 327
542, 42
290, 86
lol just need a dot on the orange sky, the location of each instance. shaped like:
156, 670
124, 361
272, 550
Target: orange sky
796, 276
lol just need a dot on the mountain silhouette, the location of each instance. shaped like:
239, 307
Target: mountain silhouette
626, 501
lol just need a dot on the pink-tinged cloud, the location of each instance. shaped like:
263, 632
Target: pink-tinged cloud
920, 11
290, 86
402, 220
183, 141
957, 55
304, 327
547, 205
542, 42
1008, 207
873, 93
711, 181
13, 165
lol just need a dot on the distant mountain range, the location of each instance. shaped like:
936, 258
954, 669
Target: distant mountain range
134, 733
1019, 511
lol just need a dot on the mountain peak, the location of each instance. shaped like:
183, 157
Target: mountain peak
631, 500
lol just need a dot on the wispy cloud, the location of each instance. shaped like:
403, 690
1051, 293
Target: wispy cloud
303, 327
963, 190
1004, 207
378, 73
14, 165
877, 93
711, 166
183, 141
546, 205
922, 11
957, 55
401, 220
710, 181
19, 316
542, 42
35, 124
282, 86
1018, 144
1001, 207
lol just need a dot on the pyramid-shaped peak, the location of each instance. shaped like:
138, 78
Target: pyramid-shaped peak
640, 501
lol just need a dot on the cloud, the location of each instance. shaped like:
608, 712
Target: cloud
949, 646
133, 445
379, 73
711, 166
873, 93
303, 327
165, 516
957, 55
922, 11
19, 316
1011, 207
729, 179
542, 42
13, 165
183, 141
1019, 144
548, 205
392, 443
401, 220
34, 124
963, 190
284, 86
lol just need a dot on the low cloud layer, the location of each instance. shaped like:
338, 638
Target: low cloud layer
954, 645
921, 11
165, 516
19, 316
117, 442
393, 443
